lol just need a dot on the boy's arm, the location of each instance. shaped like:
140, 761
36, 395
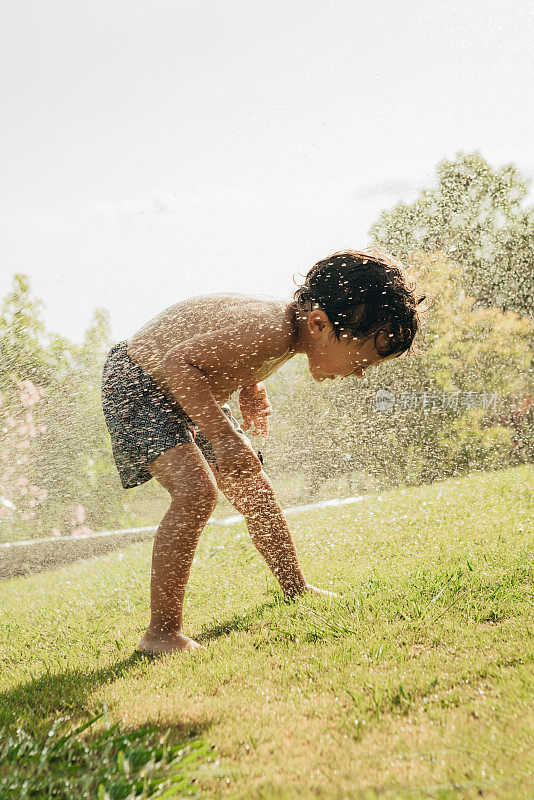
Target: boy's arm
255, 408
191, 389
225, 359
190, 386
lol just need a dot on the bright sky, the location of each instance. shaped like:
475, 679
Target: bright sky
159, 149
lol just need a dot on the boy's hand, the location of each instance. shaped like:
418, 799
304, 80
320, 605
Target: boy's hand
319, 592
236, 458
290, 594
255, 408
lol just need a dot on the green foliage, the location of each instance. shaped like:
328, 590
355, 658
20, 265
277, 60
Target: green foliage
119, 765
76, 458
475, 215
474, 361
24, 343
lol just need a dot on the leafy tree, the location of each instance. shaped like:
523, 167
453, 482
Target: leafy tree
76, 457
475, 215
24, 343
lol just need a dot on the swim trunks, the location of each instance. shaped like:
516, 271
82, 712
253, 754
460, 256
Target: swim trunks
142, 421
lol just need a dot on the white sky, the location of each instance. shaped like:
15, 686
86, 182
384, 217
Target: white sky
160, 149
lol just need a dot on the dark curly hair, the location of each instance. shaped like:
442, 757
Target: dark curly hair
365, 294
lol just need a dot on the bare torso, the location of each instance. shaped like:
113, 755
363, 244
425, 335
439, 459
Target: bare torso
197, 315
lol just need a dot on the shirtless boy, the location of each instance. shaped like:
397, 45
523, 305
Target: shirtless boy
165, 390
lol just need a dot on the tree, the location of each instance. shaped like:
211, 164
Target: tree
474, 214
452, 401
24, 343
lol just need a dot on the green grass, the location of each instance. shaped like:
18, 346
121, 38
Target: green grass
136, 765
417, 683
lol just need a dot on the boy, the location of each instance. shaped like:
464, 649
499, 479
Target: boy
164, 395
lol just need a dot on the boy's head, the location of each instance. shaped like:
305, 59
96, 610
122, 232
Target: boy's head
366, 296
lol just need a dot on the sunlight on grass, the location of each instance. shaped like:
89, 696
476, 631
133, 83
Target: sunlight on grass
417, 682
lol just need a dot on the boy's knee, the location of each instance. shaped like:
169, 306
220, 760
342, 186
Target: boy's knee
199, 494
210, 495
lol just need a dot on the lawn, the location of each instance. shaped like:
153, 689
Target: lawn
417, 682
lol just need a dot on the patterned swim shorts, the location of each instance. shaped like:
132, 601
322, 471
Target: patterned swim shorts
143, 422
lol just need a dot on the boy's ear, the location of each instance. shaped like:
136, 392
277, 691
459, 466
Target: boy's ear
317, 321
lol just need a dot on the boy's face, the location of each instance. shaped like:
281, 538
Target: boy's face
329, 357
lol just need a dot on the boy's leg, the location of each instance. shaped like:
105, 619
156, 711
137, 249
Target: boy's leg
187, 477
255, 498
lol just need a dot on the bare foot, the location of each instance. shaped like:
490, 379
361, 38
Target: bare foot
159, 642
